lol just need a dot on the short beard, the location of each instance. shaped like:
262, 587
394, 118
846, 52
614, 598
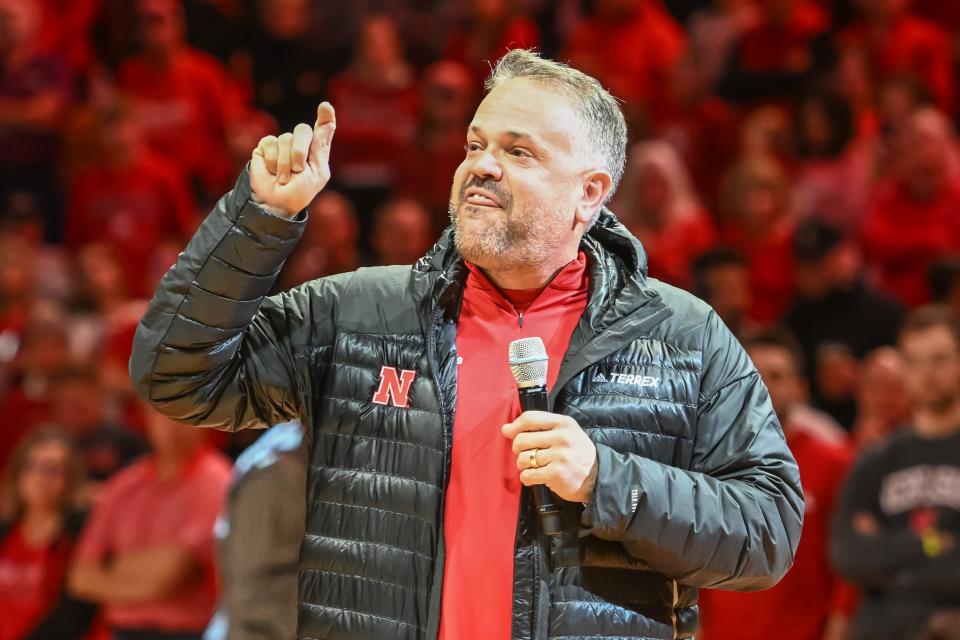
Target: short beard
517, 242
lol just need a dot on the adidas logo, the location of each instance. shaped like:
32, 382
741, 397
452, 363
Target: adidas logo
627, 378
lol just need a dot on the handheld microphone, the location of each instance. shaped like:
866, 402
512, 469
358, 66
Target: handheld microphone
528, 362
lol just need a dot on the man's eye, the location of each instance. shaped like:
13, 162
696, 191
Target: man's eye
472, 146
520, 153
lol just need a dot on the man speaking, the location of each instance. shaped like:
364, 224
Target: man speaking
660, 448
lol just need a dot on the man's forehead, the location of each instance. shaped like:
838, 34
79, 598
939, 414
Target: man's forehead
531, 109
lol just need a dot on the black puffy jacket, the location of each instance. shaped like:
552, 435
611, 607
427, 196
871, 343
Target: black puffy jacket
696, 486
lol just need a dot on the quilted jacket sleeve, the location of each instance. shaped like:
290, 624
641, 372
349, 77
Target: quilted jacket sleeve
734, 520
213, 349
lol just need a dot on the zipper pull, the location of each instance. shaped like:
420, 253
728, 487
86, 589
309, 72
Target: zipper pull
520, 319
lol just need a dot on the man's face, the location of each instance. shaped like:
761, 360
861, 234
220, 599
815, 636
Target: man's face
779, 372
514, 197
931, 367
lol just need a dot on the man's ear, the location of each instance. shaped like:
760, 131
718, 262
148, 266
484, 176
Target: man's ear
596, 185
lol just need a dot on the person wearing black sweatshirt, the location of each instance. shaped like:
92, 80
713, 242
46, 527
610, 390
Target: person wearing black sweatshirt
896, 527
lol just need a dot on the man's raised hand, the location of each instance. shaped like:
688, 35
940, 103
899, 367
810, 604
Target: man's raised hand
288, 171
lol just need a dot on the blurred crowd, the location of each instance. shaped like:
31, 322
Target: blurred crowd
792, 162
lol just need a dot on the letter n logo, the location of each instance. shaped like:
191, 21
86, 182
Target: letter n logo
394, 389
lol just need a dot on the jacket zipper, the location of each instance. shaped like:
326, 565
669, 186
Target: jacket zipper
435, 606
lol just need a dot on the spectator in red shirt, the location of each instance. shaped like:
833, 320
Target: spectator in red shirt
379, 96
757, 221
42, 354
147, 553
914, 216
105, 445
630, 46
402, 232
185, 99
42, 493
128, 197
447, 97
835, 167
657, 202
35, 88
898, 43
330, 246
823, 455
700, 126
490, 29
777, 53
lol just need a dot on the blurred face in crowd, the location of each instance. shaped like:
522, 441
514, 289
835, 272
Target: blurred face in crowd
16, 274
285, 19
19, 21
42, 480
170, 439
447, 95
779, 372
653, 192
881, 389
46, 348
77, 405
925, 152
379, 42
761, 204
883, 10
101, 271
402, 233
161, 24
337, 223
837, 270
932, 367
728, 292
490, 10
520, 196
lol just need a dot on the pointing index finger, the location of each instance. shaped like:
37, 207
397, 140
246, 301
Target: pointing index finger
325, 115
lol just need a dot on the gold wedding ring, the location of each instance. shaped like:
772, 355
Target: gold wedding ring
533, 458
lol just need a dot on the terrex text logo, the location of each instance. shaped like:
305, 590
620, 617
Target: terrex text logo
627, 378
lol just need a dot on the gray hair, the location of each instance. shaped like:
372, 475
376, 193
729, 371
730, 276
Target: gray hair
604, 125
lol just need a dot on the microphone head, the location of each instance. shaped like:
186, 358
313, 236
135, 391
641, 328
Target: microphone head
528, 362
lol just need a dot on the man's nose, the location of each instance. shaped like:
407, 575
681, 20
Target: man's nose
486, 166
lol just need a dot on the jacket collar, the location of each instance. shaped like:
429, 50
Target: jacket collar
618, 268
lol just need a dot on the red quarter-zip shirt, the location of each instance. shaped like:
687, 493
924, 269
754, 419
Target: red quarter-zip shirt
483, 495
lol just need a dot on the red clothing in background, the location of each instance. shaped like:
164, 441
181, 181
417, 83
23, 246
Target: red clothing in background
184, 109
770, 264
22, 409
630, 55
31, 579
798, 606
137, 510
671, 249
133, 209
902, 236
375, 127
912, 46
769, 46
483, 496
476, 48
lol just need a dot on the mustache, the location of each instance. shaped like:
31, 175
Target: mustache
487, 184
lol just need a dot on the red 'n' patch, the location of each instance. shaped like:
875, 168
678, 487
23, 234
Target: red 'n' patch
394, 388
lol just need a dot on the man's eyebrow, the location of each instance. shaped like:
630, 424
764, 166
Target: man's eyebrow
509, 134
